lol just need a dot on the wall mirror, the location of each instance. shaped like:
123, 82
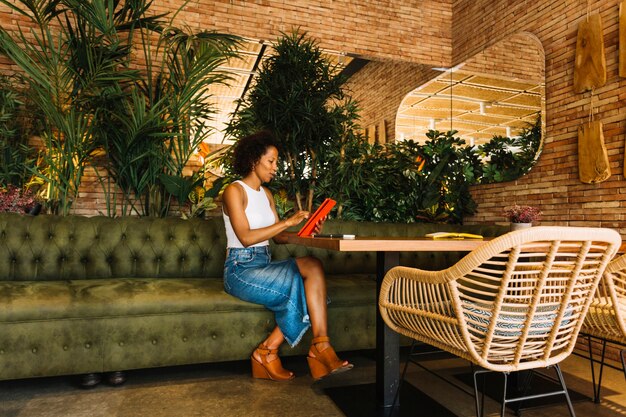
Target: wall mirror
494, 98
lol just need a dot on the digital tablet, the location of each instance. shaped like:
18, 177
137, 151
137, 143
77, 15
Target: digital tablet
321, 212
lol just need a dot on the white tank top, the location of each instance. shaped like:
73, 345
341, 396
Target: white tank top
259, 214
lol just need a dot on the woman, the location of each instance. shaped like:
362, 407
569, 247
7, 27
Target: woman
294, 289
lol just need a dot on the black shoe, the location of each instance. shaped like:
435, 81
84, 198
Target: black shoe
90, 380
116, 378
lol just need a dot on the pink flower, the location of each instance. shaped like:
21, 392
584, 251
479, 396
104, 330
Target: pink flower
13, 199
522, 214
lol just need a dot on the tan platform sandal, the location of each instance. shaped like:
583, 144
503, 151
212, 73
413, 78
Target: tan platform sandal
325, 362
265, 369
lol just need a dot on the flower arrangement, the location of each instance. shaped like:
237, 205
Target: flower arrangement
13, 199
522, 214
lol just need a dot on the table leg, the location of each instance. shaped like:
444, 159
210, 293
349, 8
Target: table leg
387, 341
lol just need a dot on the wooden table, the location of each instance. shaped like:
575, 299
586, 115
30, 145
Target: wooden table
387, 256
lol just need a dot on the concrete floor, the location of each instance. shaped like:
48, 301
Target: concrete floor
226, 389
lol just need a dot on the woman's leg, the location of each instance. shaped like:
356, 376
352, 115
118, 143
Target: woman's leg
265, 361
312, 271
273, 341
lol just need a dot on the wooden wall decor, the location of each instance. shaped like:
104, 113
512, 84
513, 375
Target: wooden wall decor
593, 159
371, 134
590, 63
382, 132
622, 40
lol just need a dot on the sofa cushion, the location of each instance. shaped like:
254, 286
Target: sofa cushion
45, 300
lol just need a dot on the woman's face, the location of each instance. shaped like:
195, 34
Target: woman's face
265, 168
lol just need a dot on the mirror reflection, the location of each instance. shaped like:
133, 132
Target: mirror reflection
495, 102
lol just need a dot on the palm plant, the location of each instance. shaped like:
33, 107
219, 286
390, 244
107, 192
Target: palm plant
72, 61
79, 67
170, 116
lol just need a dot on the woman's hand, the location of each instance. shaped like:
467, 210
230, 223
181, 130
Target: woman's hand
297, 218
318, 226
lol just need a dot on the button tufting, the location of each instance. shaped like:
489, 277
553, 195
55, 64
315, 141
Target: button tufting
65, 347
34, 350
1, 351
243, 335
214, 336
121, 343
184, 338
87, 345
154, 342
345, 328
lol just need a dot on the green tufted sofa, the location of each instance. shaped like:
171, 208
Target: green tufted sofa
95, 294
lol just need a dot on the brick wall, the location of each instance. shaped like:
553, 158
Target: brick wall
553, 184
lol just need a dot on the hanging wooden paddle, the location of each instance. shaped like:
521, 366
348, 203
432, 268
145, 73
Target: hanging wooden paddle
593, 160
590, 64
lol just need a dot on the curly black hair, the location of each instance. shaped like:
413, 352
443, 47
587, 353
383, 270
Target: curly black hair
249, 150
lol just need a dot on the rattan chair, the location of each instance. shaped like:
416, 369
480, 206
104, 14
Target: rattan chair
606, 318
515, 303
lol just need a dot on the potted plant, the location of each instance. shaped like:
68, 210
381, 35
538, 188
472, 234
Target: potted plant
522, 216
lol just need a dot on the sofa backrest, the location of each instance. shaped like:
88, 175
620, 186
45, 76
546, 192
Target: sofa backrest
73, 247
53, 247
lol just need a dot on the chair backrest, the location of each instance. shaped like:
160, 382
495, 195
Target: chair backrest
607, 315
523, 297
516, 302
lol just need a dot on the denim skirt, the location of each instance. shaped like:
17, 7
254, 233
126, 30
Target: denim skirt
250, 275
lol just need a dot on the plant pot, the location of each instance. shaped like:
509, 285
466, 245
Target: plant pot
520, 226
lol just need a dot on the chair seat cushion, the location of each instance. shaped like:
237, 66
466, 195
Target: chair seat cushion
44, 300
511, 320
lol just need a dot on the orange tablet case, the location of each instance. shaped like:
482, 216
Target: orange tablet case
321, 212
